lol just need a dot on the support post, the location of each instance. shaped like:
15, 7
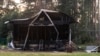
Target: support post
26, 39
70, 36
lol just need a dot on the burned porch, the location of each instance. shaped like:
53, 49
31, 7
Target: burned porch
47, 30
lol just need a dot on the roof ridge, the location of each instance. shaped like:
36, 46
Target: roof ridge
45, 10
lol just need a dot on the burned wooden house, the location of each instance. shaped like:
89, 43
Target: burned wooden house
47, 30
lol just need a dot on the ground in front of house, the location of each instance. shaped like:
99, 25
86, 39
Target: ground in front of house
53, 53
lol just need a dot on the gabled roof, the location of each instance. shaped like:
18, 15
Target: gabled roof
55, 16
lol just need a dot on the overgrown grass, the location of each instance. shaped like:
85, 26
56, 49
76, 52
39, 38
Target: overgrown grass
6, 53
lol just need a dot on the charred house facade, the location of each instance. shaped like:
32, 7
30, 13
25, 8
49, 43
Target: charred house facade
47, 30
